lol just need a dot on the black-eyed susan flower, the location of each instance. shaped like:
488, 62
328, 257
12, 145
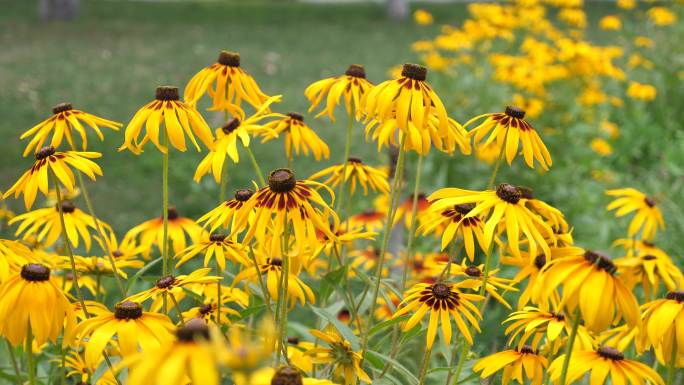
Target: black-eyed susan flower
151, 232
296, 354
648, 217
246, 349
235, 130
177, 118
99, 265
367, 259
174, 284
48, 160
517, 364
286, 201
218, 246
450, 222
284, 375
442, 301
542, 326
344, 236
370, 219
298, 136
13, 255
134, 329
404, 209
582, 276
226, 214
126, 249
510, 130
226, 83
32, 299
602, 364
551, 215
352, 86
188, 359
77, 368
650, 270
473, 278
503, 208
346, 362
664, 326
209, 308
354, 172
44, 225
64, 122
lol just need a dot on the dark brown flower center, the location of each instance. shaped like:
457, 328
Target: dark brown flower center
67, 207
473, 271
165, 282
35, 272
292, 340
676, 296
649, 257
526, 192
356, 70
127, 310
231, 59
440, 291
414, 71
344, 315
217, 237
508, 193
206, 308
231, 126
526, 349
276, 261
61, 107
281, 180
243, 195
117, 253
464, 208
648, 244
649, 201
193, 330
603, 261
295, 116
610, 353
540, 261
172, 213
353, 159
515, 112
45, 152
167, 93
287, 376
558, 316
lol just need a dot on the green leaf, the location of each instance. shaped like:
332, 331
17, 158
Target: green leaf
140, 272
385, 324
396, 365
330, 281
411, 333
344, 330
252, 310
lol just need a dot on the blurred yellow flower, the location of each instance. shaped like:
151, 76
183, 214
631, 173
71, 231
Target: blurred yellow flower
626, 4
661, 16
574, 17
601, 147
611, 129
643, 41
610, 22
641, 91
422, 17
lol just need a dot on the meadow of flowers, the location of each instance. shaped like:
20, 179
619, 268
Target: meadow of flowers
359, 273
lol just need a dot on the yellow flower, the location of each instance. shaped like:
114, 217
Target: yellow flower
538, 324
44, 224
626, 4
78, 368
339, 353
99, 265
130, 324
352, 85
48, 160
512, 130
643, 42
601, 147
355, 172
215, 245
473, 277
451, 221
661, 16
62, 124
298, 136
582, 276
173, 285
443, 301
370, 219
33, 298
649, 270
648, 217
284, 375
227, 213
574, 17
641, 91
208, 310
245, 350
178, 119
611, 129
512, 362
227, 140
179, 228
226, 83
13, 255
422, 17
603, 363
610, 22
664, 325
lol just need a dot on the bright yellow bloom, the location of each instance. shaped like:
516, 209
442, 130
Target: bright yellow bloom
574, 17
626, 4
664, 325
298, 136
422, 17
50, 161
648, 217
352, 85
610, 22
178, 118
245, 349
512, 362
99, 265
208, 310
452, 221
227, 138
62, 124
226, 83
601, 147
442, 301
13, 255
649, 270
151, 232
512, 130
130, 324
643, 42
77, 368
284, 375
227, 213
345, 361
355, 172
215, 245
661, 16
611, 129
473, 277
371, 220
641, 91
604, 363
540, 325
173, 285
33, 298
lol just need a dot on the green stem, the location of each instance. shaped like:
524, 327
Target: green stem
459, 366
224, 182
672, 364
492, 178
345, 160
426, 364
218, 295
569, 346
285, 275
31, 367
257, 169
15, 365
412, 227
178, 309
165, 215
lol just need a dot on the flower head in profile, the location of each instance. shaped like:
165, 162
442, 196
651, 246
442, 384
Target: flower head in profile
48, 160
473, 277
346, 362
441, 301
218, 246
451, 222
174, 285
33, 299
663, 325
510, 130
648, 218
133, 328
151, 232
298, 136
226, 214
517, 364
422, 17
209, 309
284, 375
371, 220
352, 86
64, 123
650, 270
542, 327
177, 119
354, 172
226, 83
